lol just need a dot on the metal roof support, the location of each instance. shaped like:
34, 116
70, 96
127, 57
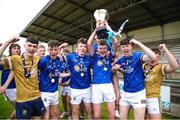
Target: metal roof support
53, 31
162, 31
40, 36
35, 17
152, 13
92, 29
87, 19
43, 36
60, 20
79, 6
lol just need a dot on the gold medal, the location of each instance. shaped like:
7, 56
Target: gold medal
100, 63
77, 68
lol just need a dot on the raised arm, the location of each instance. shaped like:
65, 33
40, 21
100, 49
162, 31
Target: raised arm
149, 54
90, 42
4, 46
9, 79
172, 62
63, 45
115, 44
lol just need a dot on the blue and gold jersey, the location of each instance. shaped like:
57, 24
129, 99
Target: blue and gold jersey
80, 70
102, 69
133, 73
49, 71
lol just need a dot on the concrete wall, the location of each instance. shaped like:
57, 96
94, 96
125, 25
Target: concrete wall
70, 47
156, 33
172, 30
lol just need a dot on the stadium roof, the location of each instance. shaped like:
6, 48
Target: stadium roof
68, 20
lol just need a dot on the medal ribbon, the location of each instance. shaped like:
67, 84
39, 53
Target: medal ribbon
53, 68
81, 64
26, 72
64, 65
104, 61
120, 29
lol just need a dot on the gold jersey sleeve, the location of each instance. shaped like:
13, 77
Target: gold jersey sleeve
6, 62
27, 88
153, 79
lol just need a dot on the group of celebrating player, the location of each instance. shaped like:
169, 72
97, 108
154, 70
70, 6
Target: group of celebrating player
88, 75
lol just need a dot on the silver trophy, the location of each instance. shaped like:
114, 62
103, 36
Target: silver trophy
101, 15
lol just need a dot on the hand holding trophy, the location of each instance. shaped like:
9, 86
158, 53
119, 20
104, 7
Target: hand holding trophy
101, 17
102, 27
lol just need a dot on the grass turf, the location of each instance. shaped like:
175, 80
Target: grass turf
6, 109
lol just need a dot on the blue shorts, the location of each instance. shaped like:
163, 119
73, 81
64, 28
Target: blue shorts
25, 110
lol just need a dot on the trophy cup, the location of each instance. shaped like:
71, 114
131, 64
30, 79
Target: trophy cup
101, 16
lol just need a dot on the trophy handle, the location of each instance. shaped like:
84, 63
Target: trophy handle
100, 14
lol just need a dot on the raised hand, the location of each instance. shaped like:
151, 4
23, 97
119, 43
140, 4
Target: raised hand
162, 47
133, 41
116, 67
63, 45
14, 39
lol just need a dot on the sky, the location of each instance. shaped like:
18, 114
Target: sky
16, 15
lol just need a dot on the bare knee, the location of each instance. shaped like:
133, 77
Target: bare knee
96, 116
111, 115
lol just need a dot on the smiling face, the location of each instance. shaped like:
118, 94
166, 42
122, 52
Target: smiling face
30, 49
41, 51
81, 46
14, 49
31, 46
126, 50
102, 50
126, 47
81, 49
53, 48
53, 52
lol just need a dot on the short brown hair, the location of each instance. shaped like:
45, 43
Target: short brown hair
82, 40
124, 42
156, 51
53, 43
32, 40
103, 43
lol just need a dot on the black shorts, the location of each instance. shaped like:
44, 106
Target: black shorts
25, 110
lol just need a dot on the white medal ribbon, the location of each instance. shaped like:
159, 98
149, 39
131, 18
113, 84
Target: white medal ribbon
120, 29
